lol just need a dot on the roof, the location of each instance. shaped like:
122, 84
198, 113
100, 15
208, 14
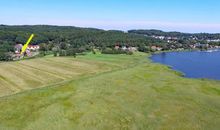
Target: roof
33, 45
19, 46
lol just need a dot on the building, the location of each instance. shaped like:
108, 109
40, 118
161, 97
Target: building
117, 47
33, 47
155, 48
32, 50
213, 40
18, 48
124, 48
198, 45
159, 37
132, 49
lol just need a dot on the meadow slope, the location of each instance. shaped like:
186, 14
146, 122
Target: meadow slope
24, 75
118, 92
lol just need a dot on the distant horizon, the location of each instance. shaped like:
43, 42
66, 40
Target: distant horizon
191, 16
106, 29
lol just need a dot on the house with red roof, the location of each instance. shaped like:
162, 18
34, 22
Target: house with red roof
33, 47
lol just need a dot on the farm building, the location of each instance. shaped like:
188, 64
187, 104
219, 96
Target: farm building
18, 48
33, 47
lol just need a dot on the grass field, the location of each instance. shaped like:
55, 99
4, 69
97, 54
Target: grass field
29, 74
105, 92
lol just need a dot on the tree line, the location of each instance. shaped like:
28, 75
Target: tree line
68, 40
180, 35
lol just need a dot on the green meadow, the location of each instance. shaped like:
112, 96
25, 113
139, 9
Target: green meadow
23, 75
104, 92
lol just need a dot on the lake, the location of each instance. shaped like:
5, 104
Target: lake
195, 64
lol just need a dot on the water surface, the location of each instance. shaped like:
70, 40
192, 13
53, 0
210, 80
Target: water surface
195, 64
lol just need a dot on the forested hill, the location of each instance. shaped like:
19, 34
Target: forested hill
158, 33
66, 39
10, 35
153, 32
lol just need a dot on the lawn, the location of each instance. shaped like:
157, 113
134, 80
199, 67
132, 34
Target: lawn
107, 92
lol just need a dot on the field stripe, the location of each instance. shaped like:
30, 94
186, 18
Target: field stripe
10, 85
45, 71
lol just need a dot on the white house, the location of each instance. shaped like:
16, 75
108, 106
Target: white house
18, 48
124, 48
33, 47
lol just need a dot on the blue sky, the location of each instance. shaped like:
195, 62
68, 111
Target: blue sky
168, 15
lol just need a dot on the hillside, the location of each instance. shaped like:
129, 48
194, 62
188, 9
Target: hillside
75, 36
200, 36
68, 40
29, 74
129, 92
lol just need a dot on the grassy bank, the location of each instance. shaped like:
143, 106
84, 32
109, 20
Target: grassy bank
128, 92
29, 74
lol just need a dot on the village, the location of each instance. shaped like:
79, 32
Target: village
34, 50
198, 45
31, 51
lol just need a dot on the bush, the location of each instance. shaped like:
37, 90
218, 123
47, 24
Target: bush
71, 52
81, 50
143, 49
55, 51
43, 53
6, 56
55, 54
62, 53
129, 53
107, 51
93, 51
113, 51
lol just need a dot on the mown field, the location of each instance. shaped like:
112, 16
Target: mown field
105, 92
29, 74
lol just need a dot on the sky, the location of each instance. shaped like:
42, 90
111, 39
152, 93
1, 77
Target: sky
168, 15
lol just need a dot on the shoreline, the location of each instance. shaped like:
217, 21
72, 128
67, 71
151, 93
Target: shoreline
186, 50
179, 72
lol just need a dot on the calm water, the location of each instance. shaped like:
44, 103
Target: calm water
196, 64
